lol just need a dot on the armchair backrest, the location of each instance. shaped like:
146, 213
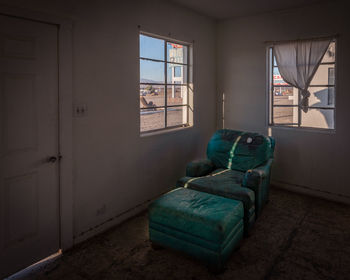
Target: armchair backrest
239, 150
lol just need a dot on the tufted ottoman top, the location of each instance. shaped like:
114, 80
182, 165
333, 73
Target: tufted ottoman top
200, 214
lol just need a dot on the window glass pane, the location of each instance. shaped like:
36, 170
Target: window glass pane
331, 96
151, 47
322, 74
318, 118
177, 71
177, 116
151, 72
177, 53
151, 119
285, 96
321, 96
151, 96
285, 115
331, 76
330, 54
177, 74
277, 78
177, 95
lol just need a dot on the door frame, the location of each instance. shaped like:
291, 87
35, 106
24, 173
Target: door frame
65, 97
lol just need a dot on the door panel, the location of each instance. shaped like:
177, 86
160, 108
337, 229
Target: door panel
20, 121
21, 208
29, 191
17, 46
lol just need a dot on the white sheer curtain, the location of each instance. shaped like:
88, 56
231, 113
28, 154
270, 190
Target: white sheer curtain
298, 62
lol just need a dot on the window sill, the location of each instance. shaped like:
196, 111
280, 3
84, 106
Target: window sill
304, 129
164, 131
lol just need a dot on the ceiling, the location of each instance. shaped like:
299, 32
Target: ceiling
222, 9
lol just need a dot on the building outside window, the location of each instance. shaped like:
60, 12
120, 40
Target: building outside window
284, 98
331, 81
177, 72
165, 88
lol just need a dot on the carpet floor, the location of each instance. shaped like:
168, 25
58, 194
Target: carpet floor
296, 237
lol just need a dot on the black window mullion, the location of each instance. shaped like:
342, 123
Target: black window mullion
177, 105
321, 85
161, 107
283, 105
327, 63
322, 108
272, 86
151, 59
285, 124
166, 85
323, 63
177, 63
188, 89
299, 110
160, 84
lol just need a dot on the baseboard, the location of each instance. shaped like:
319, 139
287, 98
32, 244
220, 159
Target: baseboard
312, 192
114, 221
110, 223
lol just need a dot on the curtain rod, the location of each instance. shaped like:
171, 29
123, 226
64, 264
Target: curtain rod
303, 39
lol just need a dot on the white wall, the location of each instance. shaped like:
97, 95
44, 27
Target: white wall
114, 167
309, 159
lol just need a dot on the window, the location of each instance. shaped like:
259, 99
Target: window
284, 98
165, 91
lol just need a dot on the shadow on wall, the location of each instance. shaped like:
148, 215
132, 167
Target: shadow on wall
325, 99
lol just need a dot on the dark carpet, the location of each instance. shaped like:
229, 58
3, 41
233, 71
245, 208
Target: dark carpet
296, 237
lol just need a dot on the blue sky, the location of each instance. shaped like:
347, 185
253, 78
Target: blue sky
152, 48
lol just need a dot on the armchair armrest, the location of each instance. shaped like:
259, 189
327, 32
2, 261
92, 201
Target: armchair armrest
258, 180
199, 168
253, 177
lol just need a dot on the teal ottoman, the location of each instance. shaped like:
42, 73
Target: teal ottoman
205, 226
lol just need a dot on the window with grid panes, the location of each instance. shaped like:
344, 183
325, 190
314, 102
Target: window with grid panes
284, 98
164, 87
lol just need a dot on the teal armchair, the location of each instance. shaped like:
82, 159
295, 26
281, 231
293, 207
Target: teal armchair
238, 166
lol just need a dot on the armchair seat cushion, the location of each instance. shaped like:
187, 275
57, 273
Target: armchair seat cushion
225, 183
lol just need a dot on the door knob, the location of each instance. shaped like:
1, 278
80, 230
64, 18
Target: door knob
52, 159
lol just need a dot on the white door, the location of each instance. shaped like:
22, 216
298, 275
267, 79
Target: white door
29, 188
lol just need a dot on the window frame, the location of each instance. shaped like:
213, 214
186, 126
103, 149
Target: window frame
270, 88
166, 84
